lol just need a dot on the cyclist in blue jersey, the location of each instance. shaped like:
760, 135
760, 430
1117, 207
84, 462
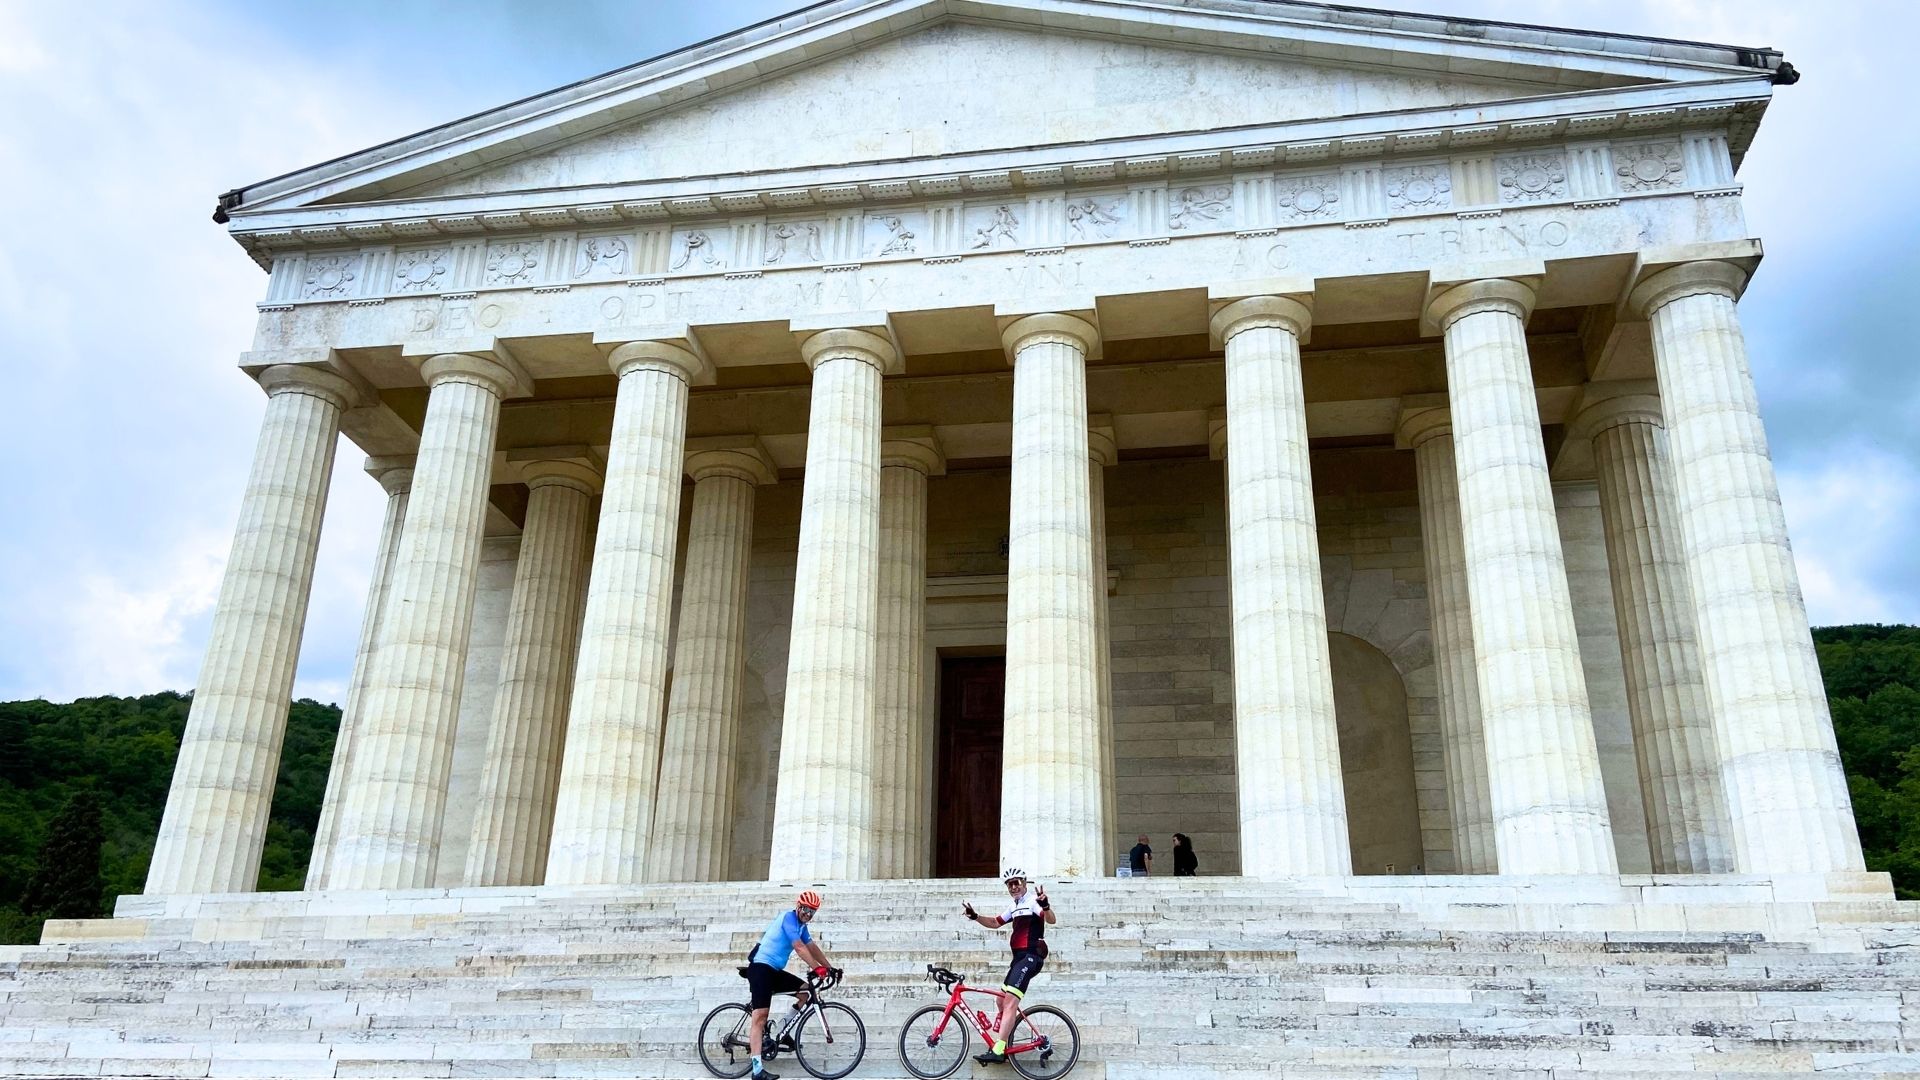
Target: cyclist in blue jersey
767, 973
1029, 914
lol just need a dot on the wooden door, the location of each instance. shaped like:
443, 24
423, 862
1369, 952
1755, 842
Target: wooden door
966, 810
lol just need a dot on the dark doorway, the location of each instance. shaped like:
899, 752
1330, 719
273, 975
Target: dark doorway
966, 809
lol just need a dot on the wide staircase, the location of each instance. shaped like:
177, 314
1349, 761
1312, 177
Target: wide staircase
1167, 979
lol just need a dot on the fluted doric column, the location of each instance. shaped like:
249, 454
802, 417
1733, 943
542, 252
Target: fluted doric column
603, 814
1293, 810
1786, 793
396, 479
1103, 450
903, 735
1543, 768
1051, 803
823, 810
1653, 607
215, 824
693, 811
1426, 425
396, 787
513, 817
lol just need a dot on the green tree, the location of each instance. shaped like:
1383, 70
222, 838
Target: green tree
66, 882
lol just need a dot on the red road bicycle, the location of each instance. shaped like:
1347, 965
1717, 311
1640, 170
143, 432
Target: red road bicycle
1044, 1045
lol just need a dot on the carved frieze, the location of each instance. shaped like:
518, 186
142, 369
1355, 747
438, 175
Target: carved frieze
512, 262
1197, 208
1652, 166
1096, 218
790, 242
421, 270
330, 277
1419, 188
893, 235
992, 227
606, 255
1308, 198
1530, 178
699, 250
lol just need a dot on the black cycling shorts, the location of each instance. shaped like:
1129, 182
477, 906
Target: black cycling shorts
764, 981
1026, 964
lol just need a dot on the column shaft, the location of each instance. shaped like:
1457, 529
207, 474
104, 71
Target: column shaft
215, 824
397, 482
1786, 793
1293, 811
693, 830
1052, 806
1463, 742
522, 766
403, 748
901, 735
604, 813
1102, 655
1672, 732
1549, 806
823, 810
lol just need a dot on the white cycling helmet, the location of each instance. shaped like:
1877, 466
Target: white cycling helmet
1011, 873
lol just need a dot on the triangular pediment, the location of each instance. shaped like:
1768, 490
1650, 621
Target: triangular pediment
860, 82
965, 87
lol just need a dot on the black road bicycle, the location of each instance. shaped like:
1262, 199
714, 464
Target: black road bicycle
826, 1037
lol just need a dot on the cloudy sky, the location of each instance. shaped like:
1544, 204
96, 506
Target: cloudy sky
128, 433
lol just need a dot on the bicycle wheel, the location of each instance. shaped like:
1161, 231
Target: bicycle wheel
830, 1041
1060, 1049
724, 1049
927, 1057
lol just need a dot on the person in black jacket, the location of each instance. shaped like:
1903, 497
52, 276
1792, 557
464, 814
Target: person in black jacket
1184, 862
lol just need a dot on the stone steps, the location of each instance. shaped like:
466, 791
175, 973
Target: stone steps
1226, 978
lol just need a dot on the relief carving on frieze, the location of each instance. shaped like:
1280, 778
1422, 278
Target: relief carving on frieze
1533, 178
420, 270
696, 249
602, 257
1419, 187
1093, 219
329, 276
512, 262
1002, 229
1308, 198
1197, 207
1648, 166
799, 240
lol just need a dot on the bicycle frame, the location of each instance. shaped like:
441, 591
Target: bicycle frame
955, 1001
770, 1038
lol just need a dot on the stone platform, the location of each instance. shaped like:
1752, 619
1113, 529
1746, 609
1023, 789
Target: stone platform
1371, 977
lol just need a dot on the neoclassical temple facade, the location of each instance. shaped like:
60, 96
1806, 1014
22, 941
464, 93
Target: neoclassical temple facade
911, 436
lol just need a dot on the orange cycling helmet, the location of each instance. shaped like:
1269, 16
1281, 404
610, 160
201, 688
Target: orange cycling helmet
810, 899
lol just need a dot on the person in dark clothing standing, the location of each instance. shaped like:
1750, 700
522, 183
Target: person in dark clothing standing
1141, 858
1184, 862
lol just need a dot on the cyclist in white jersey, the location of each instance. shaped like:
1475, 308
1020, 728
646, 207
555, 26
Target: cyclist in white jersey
1029, 915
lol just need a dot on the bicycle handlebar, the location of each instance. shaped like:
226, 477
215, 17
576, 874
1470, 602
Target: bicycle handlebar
834, 975
942, 976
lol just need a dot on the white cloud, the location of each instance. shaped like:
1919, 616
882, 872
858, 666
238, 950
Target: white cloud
1851, 515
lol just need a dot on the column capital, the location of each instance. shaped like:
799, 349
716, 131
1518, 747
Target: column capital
498, 373
1286, 302
310, 379
1102, 448
394, 473
850, 343
1078, 328
1712, 276
1448, 303
1606, 405
673, 350
1217, 433
743, 457
912, 447
1422, 417
578, 467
